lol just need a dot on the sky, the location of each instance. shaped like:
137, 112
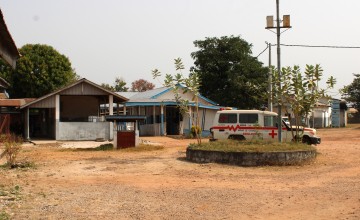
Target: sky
105, 39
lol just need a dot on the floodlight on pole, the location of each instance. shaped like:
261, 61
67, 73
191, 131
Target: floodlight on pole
270, 25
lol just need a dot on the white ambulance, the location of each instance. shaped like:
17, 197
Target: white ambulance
255, 124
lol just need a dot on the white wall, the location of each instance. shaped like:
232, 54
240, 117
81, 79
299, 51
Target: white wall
81, 131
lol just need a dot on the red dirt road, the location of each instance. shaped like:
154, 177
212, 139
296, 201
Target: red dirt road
162, 185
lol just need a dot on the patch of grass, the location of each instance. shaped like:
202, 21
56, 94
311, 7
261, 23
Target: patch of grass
19, 165
250, 146
4, 215
103, 147
143, 147
109, 147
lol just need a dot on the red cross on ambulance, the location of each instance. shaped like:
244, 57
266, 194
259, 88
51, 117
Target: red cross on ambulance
272, 134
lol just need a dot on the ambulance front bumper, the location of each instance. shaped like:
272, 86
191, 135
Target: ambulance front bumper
315, 140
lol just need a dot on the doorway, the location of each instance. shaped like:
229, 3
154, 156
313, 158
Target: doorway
173, 120
42, 123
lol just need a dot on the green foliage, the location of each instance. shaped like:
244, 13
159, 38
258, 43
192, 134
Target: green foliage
103, 147
195, 131
40, 70
11, 194
180, 84
143, 148
107, 87
4, 215
250, 146
229, 74
351, 93
12, 149
299, 92
119, 85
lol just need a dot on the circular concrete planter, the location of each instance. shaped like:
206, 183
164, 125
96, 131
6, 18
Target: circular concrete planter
248, 159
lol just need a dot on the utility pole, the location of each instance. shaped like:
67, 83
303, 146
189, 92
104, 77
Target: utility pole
270, 25
270, 105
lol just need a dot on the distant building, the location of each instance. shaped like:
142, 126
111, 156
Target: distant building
327, 112
163, 116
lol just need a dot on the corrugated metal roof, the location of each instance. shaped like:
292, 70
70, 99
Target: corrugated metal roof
151, 96
14, 102
116, 96
127, 94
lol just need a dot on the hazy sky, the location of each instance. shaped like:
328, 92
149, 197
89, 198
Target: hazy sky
109, 38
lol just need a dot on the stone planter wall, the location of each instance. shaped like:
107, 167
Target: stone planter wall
251, 158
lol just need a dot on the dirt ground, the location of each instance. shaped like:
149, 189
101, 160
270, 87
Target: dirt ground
160, 184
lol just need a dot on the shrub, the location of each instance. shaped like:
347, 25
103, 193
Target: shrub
12, 147
195, 130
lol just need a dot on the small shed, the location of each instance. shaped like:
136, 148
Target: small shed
71, 113
125, 134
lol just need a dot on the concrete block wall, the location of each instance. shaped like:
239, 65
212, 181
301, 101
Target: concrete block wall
83, 131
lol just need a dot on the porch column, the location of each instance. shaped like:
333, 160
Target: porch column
111, 105
154, 118
57, 116
124, 109
162, 120
111, 112
27, 126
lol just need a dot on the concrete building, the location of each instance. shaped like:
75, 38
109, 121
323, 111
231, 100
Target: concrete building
163, 116
71, 113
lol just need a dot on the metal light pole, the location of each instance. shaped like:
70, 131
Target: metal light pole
279, 68
270, 105
270, 25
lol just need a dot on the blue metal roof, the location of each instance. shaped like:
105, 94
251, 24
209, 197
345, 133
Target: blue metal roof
153, 95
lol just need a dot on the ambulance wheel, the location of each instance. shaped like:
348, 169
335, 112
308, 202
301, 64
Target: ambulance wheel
237, 137
306, 140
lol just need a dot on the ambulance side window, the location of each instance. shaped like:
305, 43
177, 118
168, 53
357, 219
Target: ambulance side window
248, 118
228, 118
270, 121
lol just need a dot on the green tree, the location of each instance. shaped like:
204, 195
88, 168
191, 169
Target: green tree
120, 85
108, 87
229, 74
40, 70
299, 92
191, 84
351, 93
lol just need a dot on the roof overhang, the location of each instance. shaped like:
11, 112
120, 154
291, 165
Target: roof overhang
8, 49
13, 102
117, 97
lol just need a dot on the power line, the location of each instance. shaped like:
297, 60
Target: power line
316, 46
263, 51
334, 47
